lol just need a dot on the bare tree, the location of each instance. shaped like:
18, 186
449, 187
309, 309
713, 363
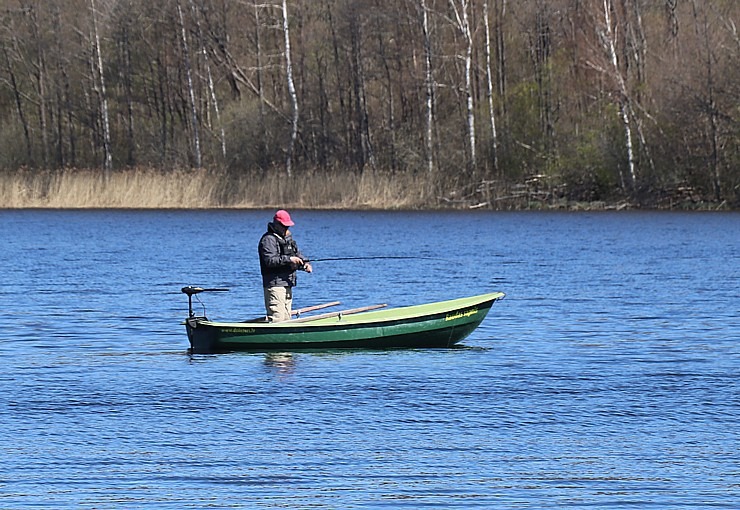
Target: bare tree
489, 88
291, 91
383, 50
500, 13
264, 145
103, 98
608, 41
126, 76
37, 69
363, 149
710, 108
19, 105
429, 87
209, 79
191, 92
399, 84
540, 47
461, 18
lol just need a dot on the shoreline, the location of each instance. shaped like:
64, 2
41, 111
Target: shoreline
188, 189
571, 207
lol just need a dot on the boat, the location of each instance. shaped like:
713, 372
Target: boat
438, 324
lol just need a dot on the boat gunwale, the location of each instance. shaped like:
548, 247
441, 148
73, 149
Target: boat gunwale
384, 317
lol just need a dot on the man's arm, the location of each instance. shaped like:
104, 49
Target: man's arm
269, 250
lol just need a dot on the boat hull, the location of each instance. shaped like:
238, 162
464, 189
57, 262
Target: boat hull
441, 324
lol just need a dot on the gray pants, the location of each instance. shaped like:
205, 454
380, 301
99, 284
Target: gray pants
278, 303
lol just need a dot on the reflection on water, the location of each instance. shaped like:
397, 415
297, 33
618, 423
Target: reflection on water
607, 378
280, 362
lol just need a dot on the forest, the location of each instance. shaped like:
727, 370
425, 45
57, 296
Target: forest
470, 103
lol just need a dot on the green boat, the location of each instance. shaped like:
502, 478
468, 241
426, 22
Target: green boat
440, 324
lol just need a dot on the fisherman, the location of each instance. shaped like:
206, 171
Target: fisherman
279, 260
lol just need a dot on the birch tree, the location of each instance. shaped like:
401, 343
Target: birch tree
191, 92
460, 11
291, 91
607, 38
429, 87
489, 88
103, 97
209, 80
261, 78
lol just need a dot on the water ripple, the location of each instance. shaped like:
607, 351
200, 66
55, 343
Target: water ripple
607, 378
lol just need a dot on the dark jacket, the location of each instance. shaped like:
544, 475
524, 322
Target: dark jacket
275, 250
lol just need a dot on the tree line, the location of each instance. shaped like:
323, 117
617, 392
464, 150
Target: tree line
585, 99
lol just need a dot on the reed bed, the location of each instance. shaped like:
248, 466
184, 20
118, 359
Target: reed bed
144, 188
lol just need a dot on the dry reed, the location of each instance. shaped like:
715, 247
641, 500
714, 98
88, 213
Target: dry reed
143, 188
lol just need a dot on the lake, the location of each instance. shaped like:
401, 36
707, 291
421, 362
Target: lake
607, 377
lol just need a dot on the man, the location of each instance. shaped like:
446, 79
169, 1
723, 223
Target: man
279, 260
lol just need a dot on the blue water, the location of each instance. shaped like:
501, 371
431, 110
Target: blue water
607, 378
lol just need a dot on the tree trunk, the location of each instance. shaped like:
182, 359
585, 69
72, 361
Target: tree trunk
709, 100
363, 146
264, 147
19, 108
501, 54
609, 41
489, 89
389, 91
209, 77
39, 72
291, 91
463, 24
128, 83
107, 155
670, 7
429, 86
191, 92
541, 49
340, 92
160, 103
639, 48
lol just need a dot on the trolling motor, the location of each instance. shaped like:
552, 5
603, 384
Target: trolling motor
191, 291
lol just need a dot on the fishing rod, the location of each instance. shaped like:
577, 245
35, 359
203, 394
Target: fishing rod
371, 258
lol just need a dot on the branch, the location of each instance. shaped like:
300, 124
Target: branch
242, 77
595, 67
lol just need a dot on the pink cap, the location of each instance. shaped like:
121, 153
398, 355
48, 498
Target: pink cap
283, 217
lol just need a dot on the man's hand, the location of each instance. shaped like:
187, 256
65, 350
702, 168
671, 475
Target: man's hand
299, 263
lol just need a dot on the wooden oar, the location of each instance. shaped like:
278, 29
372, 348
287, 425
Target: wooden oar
314, 307
337, 314
299, 311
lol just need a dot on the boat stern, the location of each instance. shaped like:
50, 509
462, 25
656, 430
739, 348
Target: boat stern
202, 338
